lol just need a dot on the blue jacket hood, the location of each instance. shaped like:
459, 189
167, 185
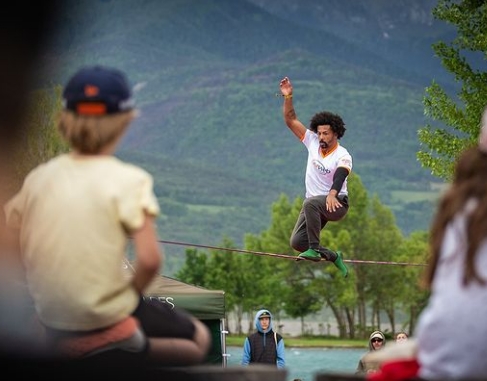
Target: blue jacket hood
257, 321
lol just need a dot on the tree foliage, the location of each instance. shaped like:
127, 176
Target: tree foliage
299, 290
459, 116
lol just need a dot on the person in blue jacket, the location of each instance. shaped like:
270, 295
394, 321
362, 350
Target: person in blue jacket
264, 345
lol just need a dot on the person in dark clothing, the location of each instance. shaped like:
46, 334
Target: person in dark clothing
265, 345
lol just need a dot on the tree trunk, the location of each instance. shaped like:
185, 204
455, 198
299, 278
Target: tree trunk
350, 313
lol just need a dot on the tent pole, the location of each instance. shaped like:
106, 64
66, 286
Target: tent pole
224, 333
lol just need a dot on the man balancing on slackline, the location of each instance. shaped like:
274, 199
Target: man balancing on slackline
329, 165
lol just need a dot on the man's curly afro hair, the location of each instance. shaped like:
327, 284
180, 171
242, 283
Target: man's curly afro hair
328, 118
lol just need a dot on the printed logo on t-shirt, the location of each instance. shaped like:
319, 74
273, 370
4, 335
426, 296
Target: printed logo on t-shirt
320, 167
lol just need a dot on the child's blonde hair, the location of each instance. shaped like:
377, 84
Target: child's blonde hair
90, 134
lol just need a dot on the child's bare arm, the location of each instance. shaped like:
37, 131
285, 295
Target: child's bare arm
149, 255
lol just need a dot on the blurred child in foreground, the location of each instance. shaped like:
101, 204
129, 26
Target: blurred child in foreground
74, 215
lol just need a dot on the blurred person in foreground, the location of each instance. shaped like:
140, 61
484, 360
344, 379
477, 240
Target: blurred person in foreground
74, 215
456, 271
26, 32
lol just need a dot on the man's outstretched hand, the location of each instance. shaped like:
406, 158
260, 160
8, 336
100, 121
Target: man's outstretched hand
286, 87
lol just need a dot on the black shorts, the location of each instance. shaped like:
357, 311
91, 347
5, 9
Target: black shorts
159, 319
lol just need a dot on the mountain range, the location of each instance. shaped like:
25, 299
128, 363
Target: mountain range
206, 78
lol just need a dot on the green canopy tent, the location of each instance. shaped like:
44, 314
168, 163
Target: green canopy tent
206, 305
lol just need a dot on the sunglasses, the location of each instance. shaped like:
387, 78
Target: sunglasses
376, 341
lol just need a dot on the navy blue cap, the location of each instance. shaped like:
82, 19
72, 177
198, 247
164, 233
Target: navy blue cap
97, 91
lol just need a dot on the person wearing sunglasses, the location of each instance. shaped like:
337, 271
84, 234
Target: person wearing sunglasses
377, 341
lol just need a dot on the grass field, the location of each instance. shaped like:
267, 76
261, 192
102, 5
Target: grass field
414, 196
307, 342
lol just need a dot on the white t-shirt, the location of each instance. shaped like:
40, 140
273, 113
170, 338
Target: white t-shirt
74, 216
320, 169
452, 329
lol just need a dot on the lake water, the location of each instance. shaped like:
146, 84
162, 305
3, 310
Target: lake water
305, 363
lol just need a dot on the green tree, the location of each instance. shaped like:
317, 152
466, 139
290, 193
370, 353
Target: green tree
262, 287
288, 283
386, 238
459, 117
412, 297
224, 272
309, 287
368, 233
356, 223
195, 268
302, 293
220, 269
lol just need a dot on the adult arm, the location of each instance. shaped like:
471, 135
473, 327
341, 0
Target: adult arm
281, 359
338, 179
332, 202
288, 112
360, 368
149, 256
246, 352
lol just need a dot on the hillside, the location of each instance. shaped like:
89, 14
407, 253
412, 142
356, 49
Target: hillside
401, 30
211, 128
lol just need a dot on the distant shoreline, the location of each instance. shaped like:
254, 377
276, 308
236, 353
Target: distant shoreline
238, 341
